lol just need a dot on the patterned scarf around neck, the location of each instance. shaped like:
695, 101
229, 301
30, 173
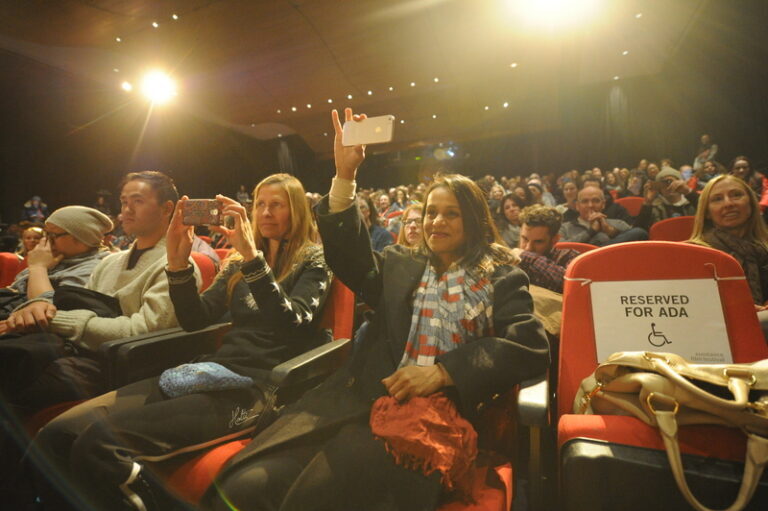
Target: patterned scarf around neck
448, 310
752, 255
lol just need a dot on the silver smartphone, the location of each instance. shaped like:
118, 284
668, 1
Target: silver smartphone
373, 130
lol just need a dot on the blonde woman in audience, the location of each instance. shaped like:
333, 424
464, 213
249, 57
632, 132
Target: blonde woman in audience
728, 219
497, 192
30, 237
274, 289
453, 325
410, 230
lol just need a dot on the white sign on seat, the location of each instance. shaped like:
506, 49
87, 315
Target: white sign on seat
678, 316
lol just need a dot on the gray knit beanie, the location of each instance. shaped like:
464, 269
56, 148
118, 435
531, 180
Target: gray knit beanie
668, 171
87, 225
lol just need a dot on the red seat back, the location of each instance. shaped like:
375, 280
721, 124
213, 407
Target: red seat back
631, 204
206, 267
574, 245
223, 252
678, 228
648, 260
339, 311
10, 265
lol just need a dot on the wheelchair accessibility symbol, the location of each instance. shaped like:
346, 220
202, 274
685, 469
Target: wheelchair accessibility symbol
657, 339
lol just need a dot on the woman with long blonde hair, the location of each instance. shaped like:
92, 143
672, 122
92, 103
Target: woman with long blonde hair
728, 219
274, 289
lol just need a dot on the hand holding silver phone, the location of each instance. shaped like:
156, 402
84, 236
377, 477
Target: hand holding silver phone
373, 130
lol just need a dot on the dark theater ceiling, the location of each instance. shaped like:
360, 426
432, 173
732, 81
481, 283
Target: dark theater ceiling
247, 64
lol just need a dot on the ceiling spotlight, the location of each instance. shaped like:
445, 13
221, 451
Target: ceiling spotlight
253, 125
293, 109
158, 87
391, 89
175, 16
370, 92
639, 15
118, 40
155, 24
616, 77
126, 86
114, 69
625, 52
330, 100
349, 96
486, 107
279, 135
413, 84
309, 105
556, 13
434, 116
436, 79
279, 111
506, 104
513, 65
325, 134
402, 121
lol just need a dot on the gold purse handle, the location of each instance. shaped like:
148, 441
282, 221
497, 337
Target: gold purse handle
739, 382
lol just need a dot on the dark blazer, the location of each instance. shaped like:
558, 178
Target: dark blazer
386, 282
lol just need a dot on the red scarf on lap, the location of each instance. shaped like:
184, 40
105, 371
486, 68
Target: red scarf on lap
428, 434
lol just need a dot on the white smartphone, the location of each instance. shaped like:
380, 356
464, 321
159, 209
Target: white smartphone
373, 130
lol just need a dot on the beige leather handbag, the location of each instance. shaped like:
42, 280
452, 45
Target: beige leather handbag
664, 390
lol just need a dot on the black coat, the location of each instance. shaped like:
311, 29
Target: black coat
386, 282
270, 323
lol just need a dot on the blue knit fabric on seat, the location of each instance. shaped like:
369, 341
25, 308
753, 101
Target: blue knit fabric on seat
200, 377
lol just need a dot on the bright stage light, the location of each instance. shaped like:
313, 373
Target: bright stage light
555, 13
126, 86
158, 87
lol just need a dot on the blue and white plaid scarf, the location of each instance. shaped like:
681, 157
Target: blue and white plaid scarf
448, 310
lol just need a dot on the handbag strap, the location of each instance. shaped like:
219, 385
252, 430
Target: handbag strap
739, 387
756, 459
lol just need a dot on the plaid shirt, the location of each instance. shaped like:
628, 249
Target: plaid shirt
547, 270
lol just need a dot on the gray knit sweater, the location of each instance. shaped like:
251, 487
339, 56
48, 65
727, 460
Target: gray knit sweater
73, 271
143, 295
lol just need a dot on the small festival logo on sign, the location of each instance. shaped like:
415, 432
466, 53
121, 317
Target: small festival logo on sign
679, 316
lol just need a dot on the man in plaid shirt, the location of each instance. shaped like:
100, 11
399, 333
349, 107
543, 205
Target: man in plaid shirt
539, 231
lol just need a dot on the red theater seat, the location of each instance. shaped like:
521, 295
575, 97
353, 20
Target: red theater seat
206, 267
678, 228
618, 462
10, 265
223, 253
631, 204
